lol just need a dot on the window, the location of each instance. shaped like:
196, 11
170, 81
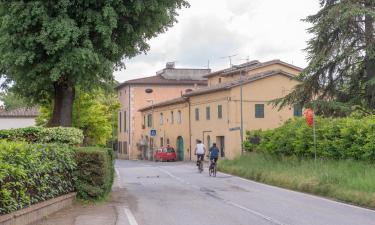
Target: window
119, 147
124, 121
179, 116
259, 110
144, 122
161, 142
161, 118
297, 110
172, 117
219, 80
208, 113
120, 121
125, 147
149, 120
196, 114
167, 141
219, 111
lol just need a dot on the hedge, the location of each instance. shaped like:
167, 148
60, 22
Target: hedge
64, 135
337, 138
31, 173
95, 172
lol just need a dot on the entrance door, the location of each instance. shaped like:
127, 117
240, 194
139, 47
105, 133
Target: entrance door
180, 148
221, 141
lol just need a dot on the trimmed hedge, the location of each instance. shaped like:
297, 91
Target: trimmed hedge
31, 173
95, 172
337, 138
63, 135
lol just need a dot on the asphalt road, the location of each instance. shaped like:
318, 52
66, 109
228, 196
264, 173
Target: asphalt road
176, 194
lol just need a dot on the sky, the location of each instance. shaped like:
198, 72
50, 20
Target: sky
210, 30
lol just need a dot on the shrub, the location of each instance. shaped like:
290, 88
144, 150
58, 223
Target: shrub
31, 173
64, 135
340, 138
95, 172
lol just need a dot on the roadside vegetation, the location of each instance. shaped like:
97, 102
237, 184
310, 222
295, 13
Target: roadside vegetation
345, 166
37, 164
346, 180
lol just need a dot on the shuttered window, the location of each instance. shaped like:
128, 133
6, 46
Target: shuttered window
196, 114
219, 111
259, 110
297, 110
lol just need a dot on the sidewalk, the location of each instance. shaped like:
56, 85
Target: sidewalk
107, 213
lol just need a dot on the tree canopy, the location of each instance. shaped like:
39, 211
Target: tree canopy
341, 55
47, 48
12, 101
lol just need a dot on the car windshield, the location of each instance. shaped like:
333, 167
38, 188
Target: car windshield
168, 149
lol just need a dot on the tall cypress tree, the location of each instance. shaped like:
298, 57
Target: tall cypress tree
341, 55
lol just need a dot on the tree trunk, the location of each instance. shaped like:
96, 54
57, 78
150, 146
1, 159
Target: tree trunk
370, 57
63, 103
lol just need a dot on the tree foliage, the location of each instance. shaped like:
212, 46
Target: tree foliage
341, 54
13, 101
95, 113
49, 47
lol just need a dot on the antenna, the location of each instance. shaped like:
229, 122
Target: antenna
230, 59
208, 64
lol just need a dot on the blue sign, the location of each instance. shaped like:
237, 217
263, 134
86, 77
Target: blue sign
153, 133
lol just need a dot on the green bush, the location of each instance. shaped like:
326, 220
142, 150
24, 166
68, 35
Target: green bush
337, 138
64, 135
95, 172
31, 173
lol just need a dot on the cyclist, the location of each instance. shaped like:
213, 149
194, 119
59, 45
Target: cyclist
200, 151
214, 154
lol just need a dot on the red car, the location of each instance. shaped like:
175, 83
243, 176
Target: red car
166, 153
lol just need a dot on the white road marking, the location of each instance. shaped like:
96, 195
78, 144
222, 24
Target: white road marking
118, 178
130, 216
276, 222
301, 193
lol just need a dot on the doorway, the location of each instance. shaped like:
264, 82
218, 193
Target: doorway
221, 145
180, 148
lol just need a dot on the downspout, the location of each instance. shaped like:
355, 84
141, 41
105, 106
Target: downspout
130, 125
190, 127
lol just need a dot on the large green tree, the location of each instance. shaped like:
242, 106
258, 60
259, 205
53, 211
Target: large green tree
341, 55
94, 112
13, 101
49, 47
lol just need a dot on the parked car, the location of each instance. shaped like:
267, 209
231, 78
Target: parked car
165, 153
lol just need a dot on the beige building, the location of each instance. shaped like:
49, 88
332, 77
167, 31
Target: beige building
213, 114
134, 94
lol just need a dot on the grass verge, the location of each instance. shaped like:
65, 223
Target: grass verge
348, 181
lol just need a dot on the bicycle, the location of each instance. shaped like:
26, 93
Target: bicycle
212, 170
200, 166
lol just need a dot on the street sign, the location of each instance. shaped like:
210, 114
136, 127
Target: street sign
153, 133
234, 128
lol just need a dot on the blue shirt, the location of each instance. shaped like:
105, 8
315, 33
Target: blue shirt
214, 152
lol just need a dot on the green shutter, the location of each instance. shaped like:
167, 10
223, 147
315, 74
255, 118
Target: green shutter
259, 110
120, 121
196, 114
219, 111
208, 113
297, 110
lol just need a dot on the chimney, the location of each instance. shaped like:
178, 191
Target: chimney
170, 65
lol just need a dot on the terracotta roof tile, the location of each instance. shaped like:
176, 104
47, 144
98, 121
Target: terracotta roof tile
21, 112
160, 80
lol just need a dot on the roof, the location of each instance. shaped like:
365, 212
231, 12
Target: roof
229, 85
251, 66
164, 103
160, 80
21, 112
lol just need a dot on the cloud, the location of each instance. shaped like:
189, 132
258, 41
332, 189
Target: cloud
211, 29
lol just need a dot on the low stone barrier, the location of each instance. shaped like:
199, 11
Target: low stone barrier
38, 211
